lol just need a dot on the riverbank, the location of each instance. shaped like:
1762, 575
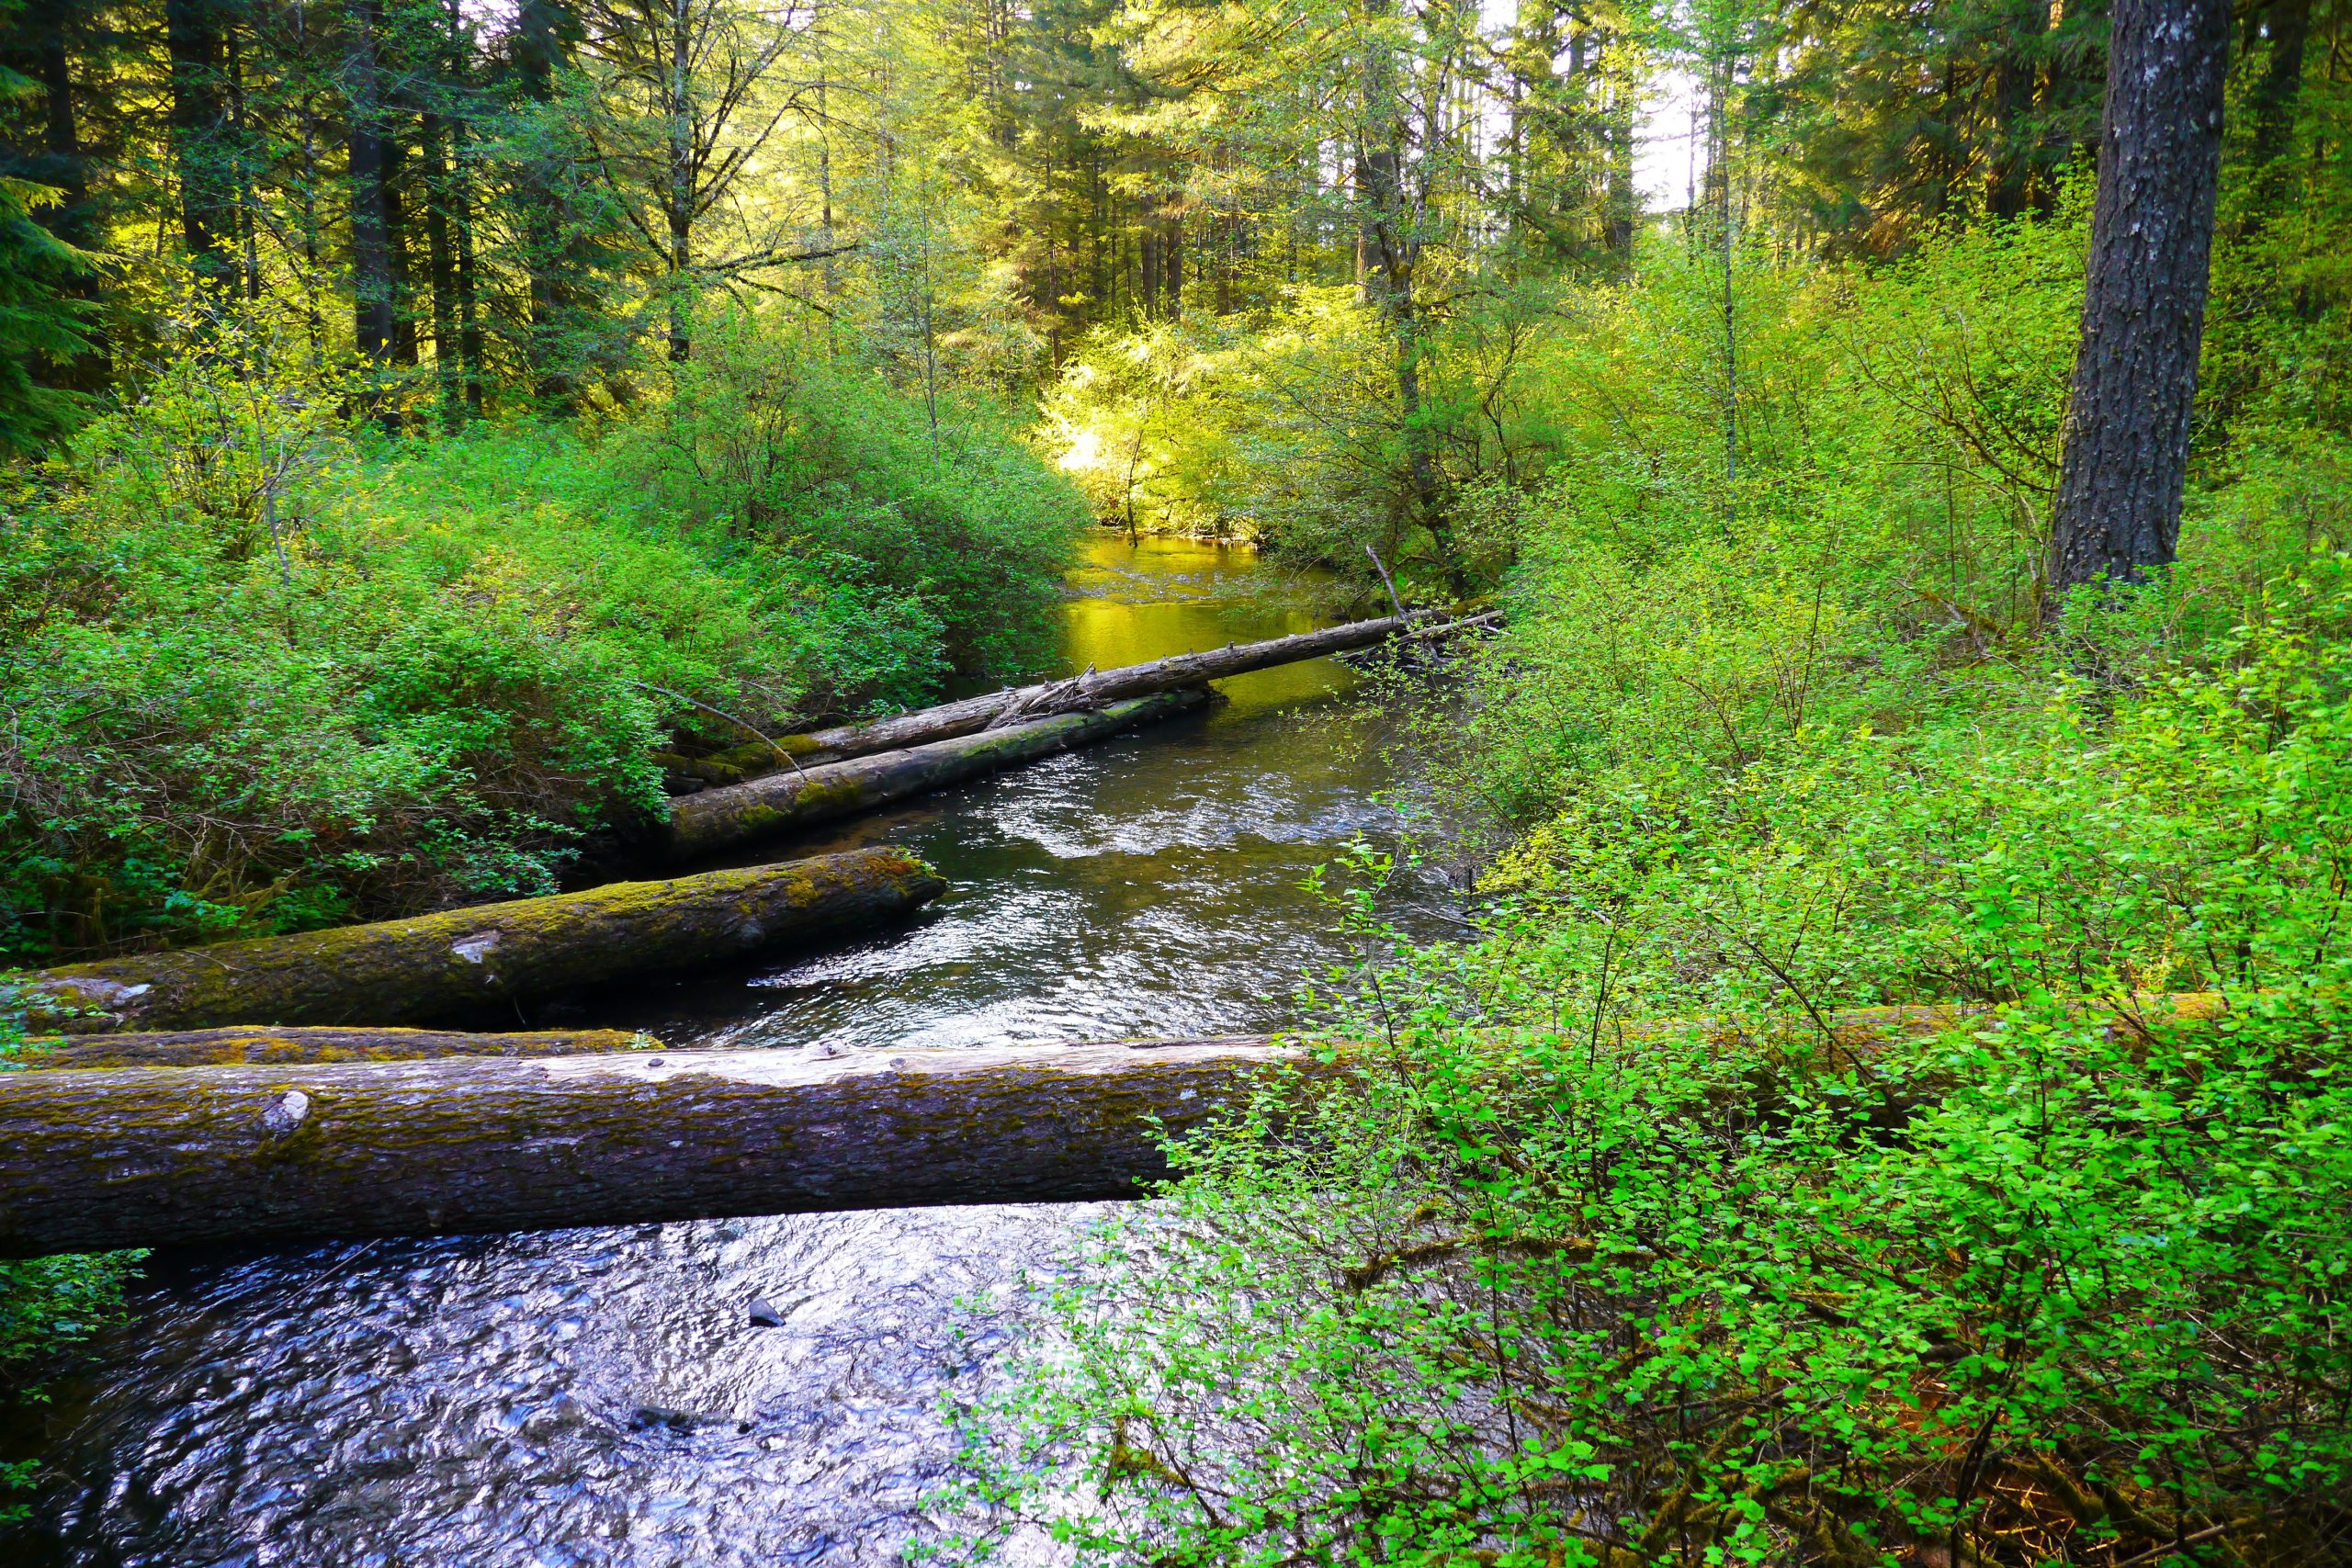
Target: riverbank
269, 670
484, 1396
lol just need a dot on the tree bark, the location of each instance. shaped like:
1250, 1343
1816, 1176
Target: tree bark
280, 1047
457, 70
448, 362
679, 190
372, 250
199, 116
462, 960
141, 1156
2289, 25
95, 1160
2013, 144
799, 797
2117, 508
539, 37
1182, 669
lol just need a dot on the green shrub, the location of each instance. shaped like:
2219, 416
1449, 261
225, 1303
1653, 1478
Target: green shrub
264, 672
1546, 1289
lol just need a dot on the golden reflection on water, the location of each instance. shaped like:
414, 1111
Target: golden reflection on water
1135, 603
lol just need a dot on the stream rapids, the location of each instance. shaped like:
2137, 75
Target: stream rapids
600, 1397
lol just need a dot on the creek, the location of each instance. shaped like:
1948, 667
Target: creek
600, 1397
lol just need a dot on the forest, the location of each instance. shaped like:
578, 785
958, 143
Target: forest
1890, 1104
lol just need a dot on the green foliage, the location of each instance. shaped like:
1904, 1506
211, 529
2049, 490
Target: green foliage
46, 1302
266, 674
49, 1306
1552, 1286
928, 510
1289, 430
41, 325
1778, 730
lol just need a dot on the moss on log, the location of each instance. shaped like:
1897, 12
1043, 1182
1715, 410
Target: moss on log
1091, 689
444, 965
716, 818
141, 1157
275, 1046
146, 1157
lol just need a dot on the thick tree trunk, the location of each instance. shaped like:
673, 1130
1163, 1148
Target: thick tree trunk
444, 965
73, 220
539, 28
2288, 24
2117, 509
2013, 142
95, 1160
456, 67
441, 262
199, 116
279, 1047
371, 249
799, 798
1174, 673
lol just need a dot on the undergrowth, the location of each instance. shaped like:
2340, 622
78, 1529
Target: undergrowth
264, 669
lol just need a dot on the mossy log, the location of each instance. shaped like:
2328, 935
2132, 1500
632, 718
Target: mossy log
717, 818
146, 1157
249, 1045
92, 1160
444, 965
1094, 689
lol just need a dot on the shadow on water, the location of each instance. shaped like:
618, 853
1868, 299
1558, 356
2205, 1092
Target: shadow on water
599, 1396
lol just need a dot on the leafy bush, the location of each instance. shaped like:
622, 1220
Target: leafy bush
2063, 1280
946, 528
266, 671
2057, 1279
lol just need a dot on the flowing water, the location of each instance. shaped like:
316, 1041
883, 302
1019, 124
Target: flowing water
600, 1397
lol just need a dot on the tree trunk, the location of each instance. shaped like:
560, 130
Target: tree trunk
538, 44
461, 216
462, 960
1623, 204
399, 233
1174, 673
800, 797
2117, 508
66, 168
95, 1160
63, 164
280, 1047
2289, 25
371, 254
441, 263
2013, 141
680, 195
200, 137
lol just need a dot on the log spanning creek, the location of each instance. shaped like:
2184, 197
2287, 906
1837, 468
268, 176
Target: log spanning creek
604, 1396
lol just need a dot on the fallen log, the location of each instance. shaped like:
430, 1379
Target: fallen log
442, 965
1093, 689
93, 1160
146, 1157
797, 798
249, 1045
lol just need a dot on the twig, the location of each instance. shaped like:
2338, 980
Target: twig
756, 732
2208, 1533
1388, 580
